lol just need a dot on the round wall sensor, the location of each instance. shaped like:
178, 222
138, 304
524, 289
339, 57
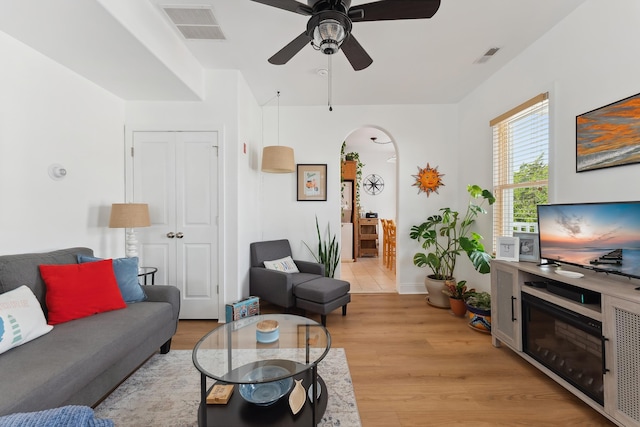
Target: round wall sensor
57, 172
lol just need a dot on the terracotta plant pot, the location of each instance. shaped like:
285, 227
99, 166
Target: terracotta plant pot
436, 297
458, 307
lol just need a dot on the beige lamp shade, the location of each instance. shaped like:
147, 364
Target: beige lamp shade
278, 159
129, 215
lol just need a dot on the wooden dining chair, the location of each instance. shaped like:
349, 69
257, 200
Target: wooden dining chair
390, 242
384, 240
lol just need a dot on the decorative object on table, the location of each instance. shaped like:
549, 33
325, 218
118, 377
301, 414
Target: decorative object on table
267, 331
298, 397
457, 292
428, 180
312, 182
278, 158
130, 216
373, 184
265, 393
479, 309
528, 246
507, 248
447, 235
310, 392
220, 394
608, 136
244, 308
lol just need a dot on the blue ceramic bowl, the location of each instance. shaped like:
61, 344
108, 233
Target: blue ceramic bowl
265, 394
267, 331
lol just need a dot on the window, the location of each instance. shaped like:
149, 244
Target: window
520, 166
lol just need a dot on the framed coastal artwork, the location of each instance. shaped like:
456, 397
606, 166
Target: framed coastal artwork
312, 182
609, 136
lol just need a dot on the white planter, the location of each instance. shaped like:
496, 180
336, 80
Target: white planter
436, 297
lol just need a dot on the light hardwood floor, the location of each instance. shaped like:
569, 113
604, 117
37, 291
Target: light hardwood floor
415, 365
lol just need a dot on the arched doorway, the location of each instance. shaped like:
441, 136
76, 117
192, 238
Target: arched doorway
374, 190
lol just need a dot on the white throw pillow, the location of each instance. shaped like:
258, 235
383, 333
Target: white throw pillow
21, 318
285, 264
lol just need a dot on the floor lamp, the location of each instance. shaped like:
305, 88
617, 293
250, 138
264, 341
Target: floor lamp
130, 216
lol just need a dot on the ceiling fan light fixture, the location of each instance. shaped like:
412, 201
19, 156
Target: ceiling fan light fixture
328, 36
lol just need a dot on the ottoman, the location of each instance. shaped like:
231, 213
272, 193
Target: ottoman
322, 296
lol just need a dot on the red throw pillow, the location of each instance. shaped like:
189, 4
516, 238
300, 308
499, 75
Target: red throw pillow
80, 290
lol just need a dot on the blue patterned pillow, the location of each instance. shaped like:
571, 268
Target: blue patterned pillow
126, 272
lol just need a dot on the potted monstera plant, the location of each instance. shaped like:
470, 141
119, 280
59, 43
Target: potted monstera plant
445, 236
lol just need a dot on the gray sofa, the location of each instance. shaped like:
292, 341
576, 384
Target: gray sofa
79, 362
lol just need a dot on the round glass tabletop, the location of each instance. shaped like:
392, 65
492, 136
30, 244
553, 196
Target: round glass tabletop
232, 351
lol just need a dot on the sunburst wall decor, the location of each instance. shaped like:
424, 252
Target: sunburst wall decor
428, 180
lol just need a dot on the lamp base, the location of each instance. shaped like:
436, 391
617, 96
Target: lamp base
131, 243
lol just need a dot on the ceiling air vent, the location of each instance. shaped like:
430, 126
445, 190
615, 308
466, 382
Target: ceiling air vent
195, 23
487, 55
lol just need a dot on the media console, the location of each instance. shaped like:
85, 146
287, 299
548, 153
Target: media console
584, 333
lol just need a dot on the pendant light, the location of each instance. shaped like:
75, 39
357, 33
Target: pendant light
278, 158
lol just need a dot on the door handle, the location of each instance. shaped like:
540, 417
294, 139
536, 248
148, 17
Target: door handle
171, 235
179, 235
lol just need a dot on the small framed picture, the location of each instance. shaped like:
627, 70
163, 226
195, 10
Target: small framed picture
508, 249
312, 182
528, 244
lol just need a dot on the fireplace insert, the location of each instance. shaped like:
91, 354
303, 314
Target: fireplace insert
568, 343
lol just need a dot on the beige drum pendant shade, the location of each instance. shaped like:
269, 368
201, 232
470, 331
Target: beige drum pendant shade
278, 159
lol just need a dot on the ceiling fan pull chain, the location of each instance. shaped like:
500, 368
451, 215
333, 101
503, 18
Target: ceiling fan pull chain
330, 80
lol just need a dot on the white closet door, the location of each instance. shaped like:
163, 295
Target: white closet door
176, 173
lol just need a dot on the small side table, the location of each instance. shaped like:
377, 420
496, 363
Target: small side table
148, 271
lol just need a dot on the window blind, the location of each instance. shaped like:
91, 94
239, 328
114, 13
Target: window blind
520, 166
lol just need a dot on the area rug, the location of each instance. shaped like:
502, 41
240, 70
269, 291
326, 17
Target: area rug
165, 392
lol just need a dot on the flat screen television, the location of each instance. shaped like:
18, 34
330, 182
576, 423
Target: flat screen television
598, 236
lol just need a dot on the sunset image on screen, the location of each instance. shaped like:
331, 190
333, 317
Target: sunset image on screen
598, 235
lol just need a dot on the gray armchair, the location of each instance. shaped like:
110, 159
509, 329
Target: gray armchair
307, 290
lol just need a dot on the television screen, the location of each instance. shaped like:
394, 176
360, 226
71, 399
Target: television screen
598, 236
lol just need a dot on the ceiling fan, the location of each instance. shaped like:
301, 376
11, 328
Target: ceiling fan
329, 28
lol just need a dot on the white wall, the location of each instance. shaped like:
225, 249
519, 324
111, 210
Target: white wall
384, 203
230, 109
588, 60
49, 114
422, 134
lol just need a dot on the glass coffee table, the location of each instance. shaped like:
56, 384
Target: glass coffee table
232, 354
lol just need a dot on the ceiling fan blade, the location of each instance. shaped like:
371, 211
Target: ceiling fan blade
286, 53
355, 53
290, 5
387, 10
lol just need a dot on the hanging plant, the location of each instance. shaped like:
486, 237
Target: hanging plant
355, 156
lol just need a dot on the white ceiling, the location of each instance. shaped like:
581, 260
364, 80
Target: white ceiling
427, 61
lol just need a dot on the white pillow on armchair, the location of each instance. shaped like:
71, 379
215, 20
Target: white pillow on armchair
285, 264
